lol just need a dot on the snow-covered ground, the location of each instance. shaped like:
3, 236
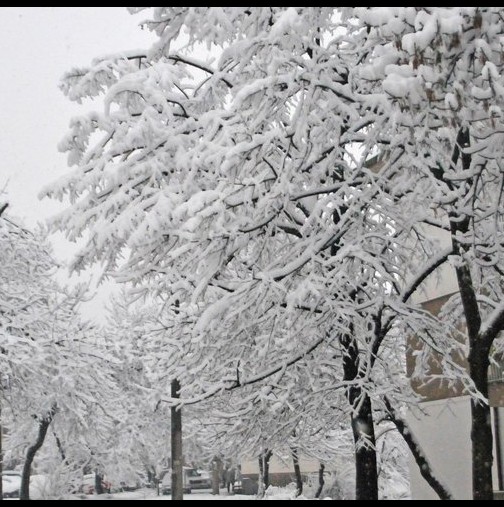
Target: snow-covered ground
150, 494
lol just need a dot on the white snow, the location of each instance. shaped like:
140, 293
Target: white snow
150, 494
287, 21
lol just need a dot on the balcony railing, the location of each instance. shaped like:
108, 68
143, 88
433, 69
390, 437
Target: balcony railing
496, 372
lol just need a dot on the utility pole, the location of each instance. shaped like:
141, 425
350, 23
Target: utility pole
177, 462
177, 491
216, 475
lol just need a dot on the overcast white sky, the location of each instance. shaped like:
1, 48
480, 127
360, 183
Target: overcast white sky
38, 45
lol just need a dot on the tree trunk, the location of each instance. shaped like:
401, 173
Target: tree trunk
420, 458
24, 493
98, 481
366, 470
297, 472
320, 480
479, 350
479, 346
177, 492
481, 428
151, 474
60, 447
261, 489
266, 459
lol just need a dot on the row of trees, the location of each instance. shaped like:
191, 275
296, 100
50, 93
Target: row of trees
77, 398
73, 395
275, 203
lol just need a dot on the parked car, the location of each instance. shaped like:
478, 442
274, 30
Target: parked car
200, 479
88, 485
245, 486
166, 481
130, 485
11, 484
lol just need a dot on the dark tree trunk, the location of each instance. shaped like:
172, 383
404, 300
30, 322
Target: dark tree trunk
151, 474
479, 346
420, 458
479, 350
98, 481
60, 447
261, 488
24, 493
366, 471
320, 480
176, 446
264, 482
266, 459
297, 472
481, 428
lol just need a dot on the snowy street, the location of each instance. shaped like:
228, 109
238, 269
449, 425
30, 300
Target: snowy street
150, 494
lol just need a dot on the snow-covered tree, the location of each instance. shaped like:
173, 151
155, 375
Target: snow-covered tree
149, 353
240, 186
441, 71
231, 225
53, 371
264, 190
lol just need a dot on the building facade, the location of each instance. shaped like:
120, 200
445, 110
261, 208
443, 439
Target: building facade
442, 421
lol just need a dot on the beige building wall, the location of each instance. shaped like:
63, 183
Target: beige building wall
280, 466
442, 424
443, 429
444, 281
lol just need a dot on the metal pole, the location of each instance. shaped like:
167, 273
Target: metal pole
176, 445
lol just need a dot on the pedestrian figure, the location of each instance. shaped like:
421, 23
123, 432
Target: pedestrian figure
230, 477
224, 476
